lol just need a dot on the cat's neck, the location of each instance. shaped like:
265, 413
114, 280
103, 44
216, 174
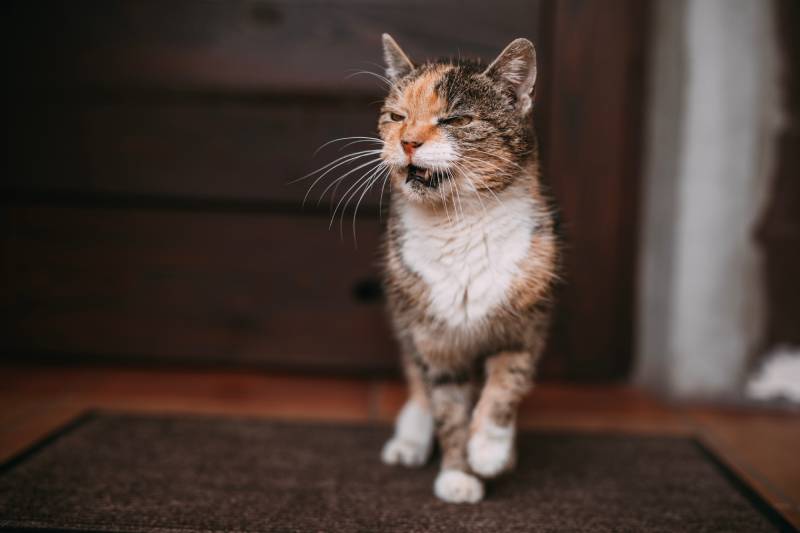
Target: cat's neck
470, 207
468, 258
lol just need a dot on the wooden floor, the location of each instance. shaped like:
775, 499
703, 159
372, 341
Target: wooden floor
762, 446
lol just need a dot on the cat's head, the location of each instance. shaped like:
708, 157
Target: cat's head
454, 128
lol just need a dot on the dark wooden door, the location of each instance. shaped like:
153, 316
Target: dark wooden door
147, 214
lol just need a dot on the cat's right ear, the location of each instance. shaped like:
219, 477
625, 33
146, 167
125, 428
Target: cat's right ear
397, 62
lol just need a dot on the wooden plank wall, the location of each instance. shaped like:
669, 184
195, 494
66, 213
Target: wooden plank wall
146, 213
778, 232
592, 157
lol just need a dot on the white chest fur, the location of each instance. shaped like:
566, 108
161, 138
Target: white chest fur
469, 262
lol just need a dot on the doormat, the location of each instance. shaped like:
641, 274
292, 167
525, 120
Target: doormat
186, 473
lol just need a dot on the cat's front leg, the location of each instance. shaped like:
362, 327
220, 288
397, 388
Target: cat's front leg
412, 442
493, 428
451, 401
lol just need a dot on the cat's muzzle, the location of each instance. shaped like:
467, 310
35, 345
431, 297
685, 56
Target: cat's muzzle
424, 176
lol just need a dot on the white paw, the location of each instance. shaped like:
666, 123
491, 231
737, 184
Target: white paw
398, 451
490, 450
413, 437
455, 486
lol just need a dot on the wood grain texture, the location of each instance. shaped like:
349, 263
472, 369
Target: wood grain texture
193, 115
127, 284
242, 45
220, 149
778, 231
592, 162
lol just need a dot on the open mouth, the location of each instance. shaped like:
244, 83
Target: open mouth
424, 176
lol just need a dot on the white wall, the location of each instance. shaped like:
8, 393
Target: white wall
712, 121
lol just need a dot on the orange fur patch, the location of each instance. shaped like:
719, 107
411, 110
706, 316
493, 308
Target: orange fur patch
424, 106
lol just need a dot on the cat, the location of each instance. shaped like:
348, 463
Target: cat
470, 258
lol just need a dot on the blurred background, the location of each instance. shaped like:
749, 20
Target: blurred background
149, 215
149, 226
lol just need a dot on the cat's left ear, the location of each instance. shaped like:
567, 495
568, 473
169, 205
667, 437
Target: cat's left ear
516, 68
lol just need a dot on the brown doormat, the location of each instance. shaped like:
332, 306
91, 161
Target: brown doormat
121, 472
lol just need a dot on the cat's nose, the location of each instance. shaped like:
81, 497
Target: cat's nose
410, 146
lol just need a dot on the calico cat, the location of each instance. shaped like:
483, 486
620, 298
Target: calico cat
470, 258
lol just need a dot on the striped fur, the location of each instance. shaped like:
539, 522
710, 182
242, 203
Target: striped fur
470, 263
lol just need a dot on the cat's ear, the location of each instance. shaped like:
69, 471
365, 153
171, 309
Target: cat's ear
397, 62
516, 68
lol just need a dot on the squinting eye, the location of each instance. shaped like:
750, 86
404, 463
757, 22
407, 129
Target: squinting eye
396, 117
460, 120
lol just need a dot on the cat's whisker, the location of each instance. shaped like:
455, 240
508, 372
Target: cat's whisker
445, 170
454, 191
503, 172
497, 156
346, 197
463, 172
374, 180
469, 181
480, 201
383, 79
383, 187
337, 162
376, 141
444, 204
334, 192
485, 187
489, 189
337, 181
483, 161
499, 201
453, 198
360, 180
335, 184
449, 173
359, 138
345, 175
365, 186
458, 197
341, 164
